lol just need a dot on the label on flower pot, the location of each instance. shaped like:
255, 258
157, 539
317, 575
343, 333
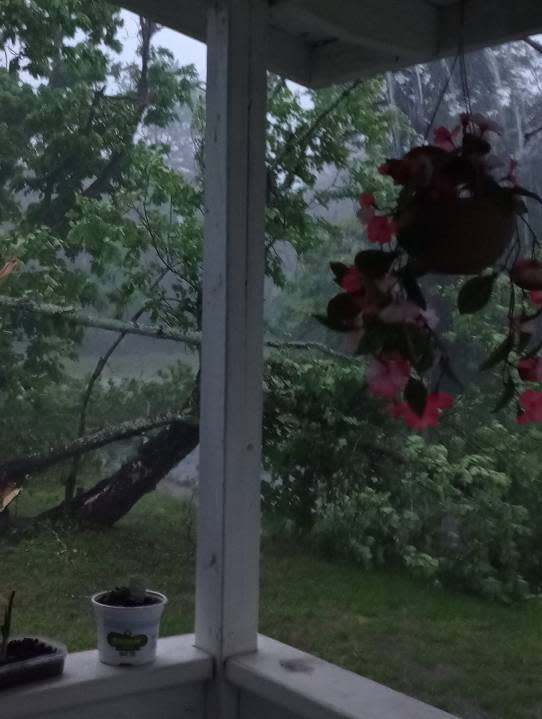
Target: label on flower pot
127, 642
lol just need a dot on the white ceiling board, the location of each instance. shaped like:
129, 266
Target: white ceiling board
408, 27
319, 42
289, 55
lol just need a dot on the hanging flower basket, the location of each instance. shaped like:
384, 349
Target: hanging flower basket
458, 235
454, 215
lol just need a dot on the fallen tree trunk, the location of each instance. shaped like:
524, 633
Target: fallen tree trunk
13, 471
110, 499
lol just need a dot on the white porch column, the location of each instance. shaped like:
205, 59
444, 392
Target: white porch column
231, 372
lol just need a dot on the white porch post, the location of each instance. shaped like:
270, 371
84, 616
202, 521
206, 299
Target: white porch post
231, 372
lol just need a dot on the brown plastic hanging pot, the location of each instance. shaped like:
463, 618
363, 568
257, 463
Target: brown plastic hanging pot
457, 236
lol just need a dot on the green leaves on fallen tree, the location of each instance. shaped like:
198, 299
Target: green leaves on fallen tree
475, 294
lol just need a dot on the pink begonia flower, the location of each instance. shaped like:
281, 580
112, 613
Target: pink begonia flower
388, 375
443, 138
430, 317
536, 297
8, 268
531, 403
352, 281
367, 199
530, 369
386, 283
380, 230
367, 207
484, 124
511, 177
433, 409
407, 311
366, 214
527, 274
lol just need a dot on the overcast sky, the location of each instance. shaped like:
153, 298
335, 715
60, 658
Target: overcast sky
186, 50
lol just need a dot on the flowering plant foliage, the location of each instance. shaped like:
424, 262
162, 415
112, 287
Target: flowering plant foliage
455, 214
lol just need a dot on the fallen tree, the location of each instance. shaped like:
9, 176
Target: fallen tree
109, 500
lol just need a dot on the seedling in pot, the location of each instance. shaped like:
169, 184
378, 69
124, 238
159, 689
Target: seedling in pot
127, 622
133, 595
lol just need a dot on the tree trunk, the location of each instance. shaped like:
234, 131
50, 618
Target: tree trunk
109, 500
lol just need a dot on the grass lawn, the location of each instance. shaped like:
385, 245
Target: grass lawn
473, 658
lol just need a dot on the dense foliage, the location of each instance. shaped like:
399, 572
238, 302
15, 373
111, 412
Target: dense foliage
101, 200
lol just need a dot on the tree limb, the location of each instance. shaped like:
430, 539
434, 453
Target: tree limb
191, 339
531, 133
14, 470
300, 141
534, 44
71, 480
72, 314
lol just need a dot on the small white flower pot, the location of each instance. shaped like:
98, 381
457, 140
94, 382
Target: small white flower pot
128, 635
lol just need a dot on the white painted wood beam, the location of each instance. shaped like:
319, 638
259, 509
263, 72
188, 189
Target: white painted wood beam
227, 590
338, 62
394, 26
488, 23
287, 55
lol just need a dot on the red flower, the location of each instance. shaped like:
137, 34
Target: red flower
380, 230
527, 274
367, 199
352, 281
511, 177
531, 403
536, 297
8, 268
388, 375
435, 404
443, 138
530, 369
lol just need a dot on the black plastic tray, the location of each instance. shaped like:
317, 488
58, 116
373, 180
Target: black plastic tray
36, 669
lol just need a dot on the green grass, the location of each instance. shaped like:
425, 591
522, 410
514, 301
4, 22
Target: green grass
473, 658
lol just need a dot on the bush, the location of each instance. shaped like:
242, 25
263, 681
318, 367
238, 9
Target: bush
462, 510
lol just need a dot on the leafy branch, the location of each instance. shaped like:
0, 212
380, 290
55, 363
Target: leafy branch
191, 339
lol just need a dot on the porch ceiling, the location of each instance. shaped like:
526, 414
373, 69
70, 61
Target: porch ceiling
319, 42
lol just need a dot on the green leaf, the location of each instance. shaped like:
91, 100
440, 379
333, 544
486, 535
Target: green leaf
374, 263
507, 396
339, 270
499, 354
416, 396
475, 294
412, 288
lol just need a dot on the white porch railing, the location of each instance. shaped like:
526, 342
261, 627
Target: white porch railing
276, 682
